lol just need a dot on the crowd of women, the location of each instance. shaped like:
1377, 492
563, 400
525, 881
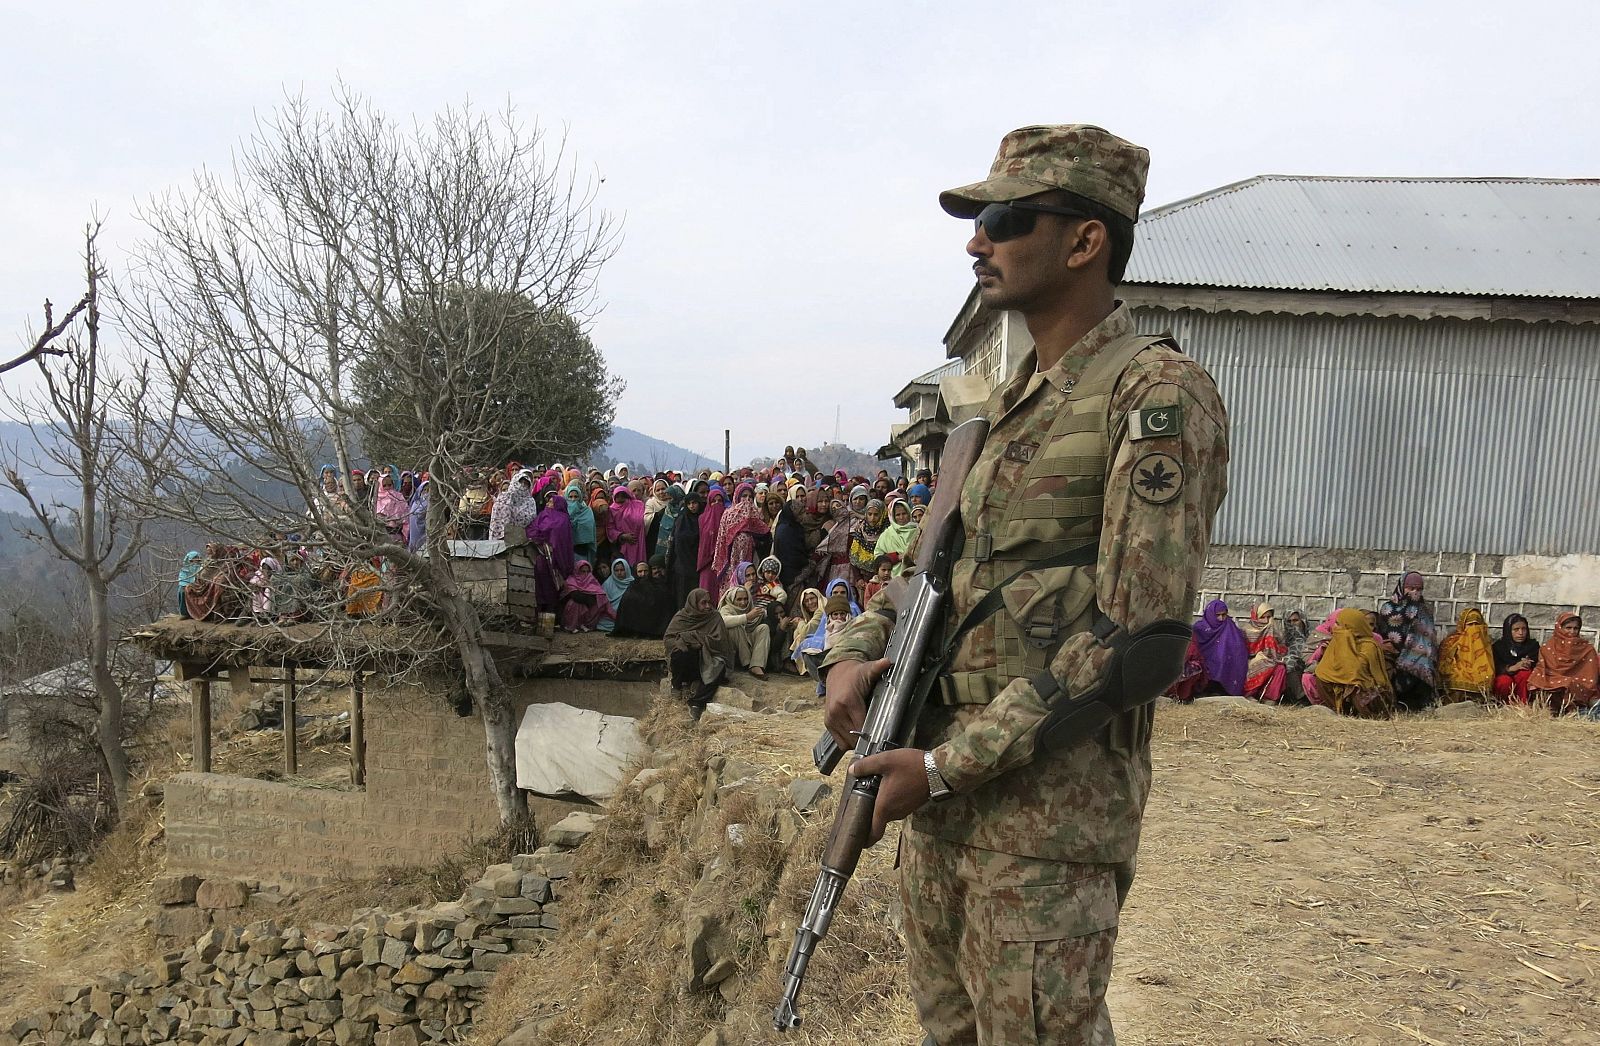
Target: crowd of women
1374, 663
611, 551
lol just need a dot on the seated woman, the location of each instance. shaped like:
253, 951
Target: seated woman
647, 608
1568, 672
618, 580
584, 603
808, 615
837, 612
1466, 661
1265, 674
1316, 646
1516, 653
1351, 676
698, 649
1223, 647
1192, 683
896, 537
748, 635
1296, 655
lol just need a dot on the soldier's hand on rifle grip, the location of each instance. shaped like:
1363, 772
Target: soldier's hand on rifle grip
849, 684
902, 787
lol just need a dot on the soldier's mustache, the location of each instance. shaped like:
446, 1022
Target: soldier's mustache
981, 269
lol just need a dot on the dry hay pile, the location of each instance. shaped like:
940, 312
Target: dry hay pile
619, 976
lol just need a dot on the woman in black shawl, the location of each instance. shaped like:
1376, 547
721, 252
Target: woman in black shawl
794, 540
647, 606
1516, 652
684, 556
698, 650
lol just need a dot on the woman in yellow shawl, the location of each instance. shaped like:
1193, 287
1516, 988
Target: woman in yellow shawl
1351, 676
1466, 660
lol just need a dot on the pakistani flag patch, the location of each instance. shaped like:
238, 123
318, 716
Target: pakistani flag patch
1153, 422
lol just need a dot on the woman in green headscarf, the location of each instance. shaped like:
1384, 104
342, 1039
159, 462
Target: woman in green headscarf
582, 516
896, 536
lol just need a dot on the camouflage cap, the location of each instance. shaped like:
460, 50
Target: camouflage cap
1077, 157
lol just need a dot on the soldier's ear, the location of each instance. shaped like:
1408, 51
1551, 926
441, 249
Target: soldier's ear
1088, 244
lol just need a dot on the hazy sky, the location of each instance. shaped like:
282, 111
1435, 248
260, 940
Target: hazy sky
777, 165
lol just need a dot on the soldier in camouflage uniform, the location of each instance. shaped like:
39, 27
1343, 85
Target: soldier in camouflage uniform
1012, 881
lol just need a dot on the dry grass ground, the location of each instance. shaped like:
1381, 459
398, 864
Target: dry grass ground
1303, 879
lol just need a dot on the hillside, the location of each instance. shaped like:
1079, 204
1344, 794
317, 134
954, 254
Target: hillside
649, 454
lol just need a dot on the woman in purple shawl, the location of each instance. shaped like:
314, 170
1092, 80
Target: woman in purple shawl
1222, 647
550, 533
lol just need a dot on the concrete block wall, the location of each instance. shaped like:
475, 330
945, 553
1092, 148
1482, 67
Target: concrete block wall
1319, 580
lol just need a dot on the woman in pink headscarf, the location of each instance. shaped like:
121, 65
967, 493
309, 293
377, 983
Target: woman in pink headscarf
736, 535
584, 603
625, 527
392, 508
710, 529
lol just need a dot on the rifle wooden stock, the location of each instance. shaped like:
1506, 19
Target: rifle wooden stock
893, 706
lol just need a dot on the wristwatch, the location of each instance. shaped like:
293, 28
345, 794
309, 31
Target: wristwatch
938, 791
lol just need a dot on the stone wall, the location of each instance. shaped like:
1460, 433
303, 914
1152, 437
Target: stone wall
1317, 580
399, 979
427, 793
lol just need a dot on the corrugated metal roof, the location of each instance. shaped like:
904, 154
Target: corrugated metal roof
944, 370
1481, 236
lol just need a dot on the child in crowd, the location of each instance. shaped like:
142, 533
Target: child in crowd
835, 617
873, 585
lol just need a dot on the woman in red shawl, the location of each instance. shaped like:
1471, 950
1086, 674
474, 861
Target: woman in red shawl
1265, 674
625, 527
710, 529
584, 603
736, 535
1568, 672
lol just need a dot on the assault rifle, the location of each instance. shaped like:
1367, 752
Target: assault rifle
896, 701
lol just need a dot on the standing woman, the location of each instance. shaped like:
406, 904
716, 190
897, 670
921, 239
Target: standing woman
514, 508
710, 529
683, 557
1568, 672
553, 559
736, 536
417, 534
836, 544
659, 531
896, 536
1415, 641
1516, 653
1466, 660
626, 526
582, 516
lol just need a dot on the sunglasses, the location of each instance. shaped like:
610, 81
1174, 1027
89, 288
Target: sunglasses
1007, 221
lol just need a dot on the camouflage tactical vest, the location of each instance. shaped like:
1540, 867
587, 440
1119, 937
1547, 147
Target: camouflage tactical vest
1057, 507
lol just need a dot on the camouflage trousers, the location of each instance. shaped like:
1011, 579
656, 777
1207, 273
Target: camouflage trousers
1007, 950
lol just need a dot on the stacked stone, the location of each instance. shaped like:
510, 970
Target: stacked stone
57, 873
401, 979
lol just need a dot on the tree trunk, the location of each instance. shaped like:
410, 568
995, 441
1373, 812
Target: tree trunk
489, 695
109, 727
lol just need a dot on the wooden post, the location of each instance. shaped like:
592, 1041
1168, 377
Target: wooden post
200, 723
290, 757
358, 732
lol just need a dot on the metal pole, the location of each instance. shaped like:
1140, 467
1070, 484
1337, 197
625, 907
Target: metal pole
358, 732
290, 757
200, 724
727, 451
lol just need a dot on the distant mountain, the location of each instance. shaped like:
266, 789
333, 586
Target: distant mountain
648, 454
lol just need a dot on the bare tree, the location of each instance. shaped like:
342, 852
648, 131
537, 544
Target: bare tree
77, 437
43, 345
262, 293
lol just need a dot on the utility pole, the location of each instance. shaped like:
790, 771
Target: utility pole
836, 424
727, 451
